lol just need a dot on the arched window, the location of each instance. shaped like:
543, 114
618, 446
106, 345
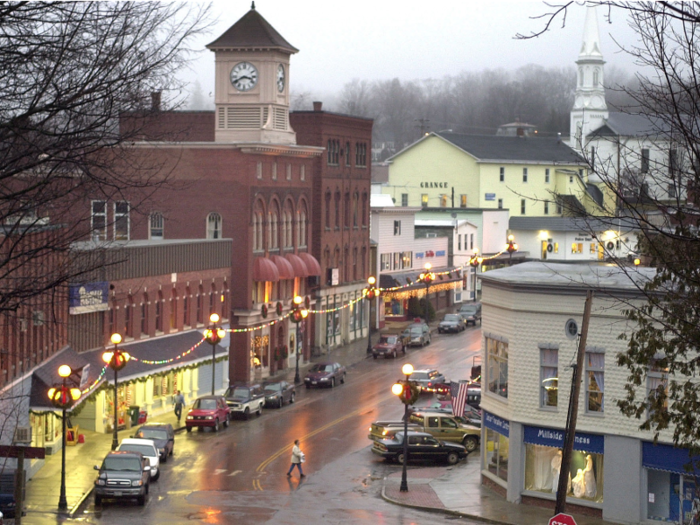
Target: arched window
186, 307
355, 205
346, 222
156, 229
346, 265
144, 315
159, 312
212, 296
337, 210
354, 264
302, 226
258, 230
173, 310
580, 76
347, 154
214, 226
328, 210
200, 305
595, 77
273, 239
128, 317
364, 209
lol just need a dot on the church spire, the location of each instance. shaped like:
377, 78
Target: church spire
591, 38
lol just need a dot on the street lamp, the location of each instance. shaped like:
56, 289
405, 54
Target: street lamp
408, 393
371, 292
512, 247
116, 360
298, 315
475, 262
427, 277
63, 397
213, 335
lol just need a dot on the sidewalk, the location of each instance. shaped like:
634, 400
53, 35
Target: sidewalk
458, 491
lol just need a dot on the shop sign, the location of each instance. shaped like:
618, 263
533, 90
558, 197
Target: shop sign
550, 437
89, 297
434, 185
500, 425
490, 196
420, 255
440, 253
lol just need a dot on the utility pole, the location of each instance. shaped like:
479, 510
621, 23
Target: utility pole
424, 125
570, 431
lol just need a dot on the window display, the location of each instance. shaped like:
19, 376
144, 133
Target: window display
496, 457
543, 469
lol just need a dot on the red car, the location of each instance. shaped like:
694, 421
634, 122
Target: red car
389, 345
208, 411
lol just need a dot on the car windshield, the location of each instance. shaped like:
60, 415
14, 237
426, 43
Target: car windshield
469, 309
152, 433
452, 317
205, 404
146, 450
390, 340
274, 387
416, 330
321, 368
417, 376
130, 464
239, 392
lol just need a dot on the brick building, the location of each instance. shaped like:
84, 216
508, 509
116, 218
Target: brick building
340, 231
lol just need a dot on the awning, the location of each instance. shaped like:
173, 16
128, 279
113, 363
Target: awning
668, 458
412, 278
312, 264
265, 270
297, 263
284, 267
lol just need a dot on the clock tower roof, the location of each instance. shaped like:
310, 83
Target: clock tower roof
252, 31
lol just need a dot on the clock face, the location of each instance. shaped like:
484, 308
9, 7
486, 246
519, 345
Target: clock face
280, 78
244, 76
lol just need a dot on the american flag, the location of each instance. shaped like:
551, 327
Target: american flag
460, 399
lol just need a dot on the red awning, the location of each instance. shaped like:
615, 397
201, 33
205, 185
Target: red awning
284, 267
298, 265
312, 264
265, 270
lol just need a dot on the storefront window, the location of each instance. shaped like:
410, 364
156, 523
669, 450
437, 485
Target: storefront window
497, 366
672, 497
543, 468
393, 307
496, 457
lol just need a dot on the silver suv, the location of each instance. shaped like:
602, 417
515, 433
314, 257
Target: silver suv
418, 334
471, 313
428, 379
245, 399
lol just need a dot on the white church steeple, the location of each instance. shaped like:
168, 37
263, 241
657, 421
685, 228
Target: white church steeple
589, 111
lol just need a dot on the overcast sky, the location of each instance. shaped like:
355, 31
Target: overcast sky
411, 39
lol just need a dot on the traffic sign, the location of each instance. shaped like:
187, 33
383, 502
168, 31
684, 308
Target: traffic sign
562, 519
29, 452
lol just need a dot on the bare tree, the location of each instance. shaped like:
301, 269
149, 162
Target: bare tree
355, 98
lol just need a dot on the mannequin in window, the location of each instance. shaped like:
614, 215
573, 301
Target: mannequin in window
556, 470
579, 484
589, 478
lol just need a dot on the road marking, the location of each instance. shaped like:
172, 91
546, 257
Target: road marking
235, 472
219, 471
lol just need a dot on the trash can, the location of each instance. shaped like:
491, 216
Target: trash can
134, 415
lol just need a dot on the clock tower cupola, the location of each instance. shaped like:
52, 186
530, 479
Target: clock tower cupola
252, 83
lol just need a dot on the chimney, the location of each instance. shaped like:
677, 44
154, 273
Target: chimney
317, 105
155, 101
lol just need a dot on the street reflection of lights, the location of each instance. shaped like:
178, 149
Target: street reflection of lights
212, 516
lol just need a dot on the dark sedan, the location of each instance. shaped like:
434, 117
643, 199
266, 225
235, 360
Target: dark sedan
325, 374
163, 437
452, 323
279, 393
421, 447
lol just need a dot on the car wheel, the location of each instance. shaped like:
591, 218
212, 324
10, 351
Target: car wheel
142, 500
226, 422
342, 379
157, 476
394, 354
452, 458
164, 459
172, 451
399, 458
246, 413
470, 443
280, 403
260, 409
216, 425
291, 399
333, 382
98, 500
189, 429
374, 355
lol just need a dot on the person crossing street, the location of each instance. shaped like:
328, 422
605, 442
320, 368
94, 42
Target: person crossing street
298, 458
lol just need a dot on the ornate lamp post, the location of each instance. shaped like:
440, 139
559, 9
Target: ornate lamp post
63, 397
512, 247
214, 335
427, 277
299, 313
116, 360
475, 262
371, 292
408, 393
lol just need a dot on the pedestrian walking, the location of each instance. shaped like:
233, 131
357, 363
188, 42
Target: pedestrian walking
179, 400
297, 459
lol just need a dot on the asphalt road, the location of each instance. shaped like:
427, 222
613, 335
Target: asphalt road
239, 474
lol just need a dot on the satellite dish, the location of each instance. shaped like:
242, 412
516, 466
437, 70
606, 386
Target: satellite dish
571, 329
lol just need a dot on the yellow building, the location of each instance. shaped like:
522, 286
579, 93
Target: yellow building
529, 176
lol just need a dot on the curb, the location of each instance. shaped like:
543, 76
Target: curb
74, 509
449, 512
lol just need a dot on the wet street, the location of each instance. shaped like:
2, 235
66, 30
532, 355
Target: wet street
239, 474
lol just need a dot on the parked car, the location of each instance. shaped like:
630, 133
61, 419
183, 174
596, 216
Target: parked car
389, 345
123, 475
469, 414
451, 323
428, 379
162, 435
7, 506
208, 411
147, 449
279, 393
325, 374
244, 399
471, 313
421, 446
418, 334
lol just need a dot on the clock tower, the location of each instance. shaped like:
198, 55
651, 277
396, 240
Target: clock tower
590, 110
252, 83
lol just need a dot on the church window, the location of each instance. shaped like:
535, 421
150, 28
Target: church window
645, 160
580, 76
595, 77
